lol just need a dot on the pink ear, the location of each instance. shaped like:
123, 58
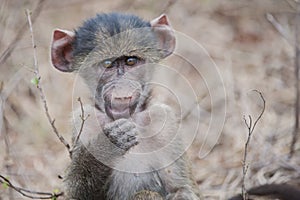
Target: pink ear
165, 34
61, 50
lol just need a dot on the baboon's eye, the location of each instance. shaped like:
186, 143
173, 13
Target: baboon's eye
130, 61
107, 63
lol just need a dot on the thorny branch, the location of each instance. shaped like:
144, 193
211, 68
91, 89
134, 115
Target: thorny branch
29, 193
250, 126
38, 85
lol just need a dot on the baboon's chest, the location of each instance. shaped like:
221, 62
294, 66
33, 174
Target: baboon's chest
124, 185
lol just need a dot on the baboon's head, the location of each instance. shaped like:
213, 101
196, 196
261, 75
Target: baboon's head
112, 53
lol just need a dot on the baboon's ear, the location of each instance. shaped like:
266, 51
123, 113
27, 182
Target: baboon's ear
61, 50
165, 34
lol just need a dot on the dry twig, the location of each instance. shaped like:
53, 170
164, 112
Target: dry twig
38, 85
8, 160
250, 126
29, 193
83, 119
4, 181
278, 27
4, 130
42, 95
287, 36
291, 4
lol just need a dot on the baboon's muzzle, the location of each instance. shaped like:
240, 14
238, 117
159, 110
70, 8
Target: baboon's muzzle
121, 98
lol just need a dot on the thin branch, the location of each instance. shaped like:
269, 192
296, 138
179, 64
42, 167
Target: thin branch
250, 126
29, 193
39, 87
285, 35
262, 112
290, 4
7, 52
28, 13
8, 160
4, 130
278, 27
83, 119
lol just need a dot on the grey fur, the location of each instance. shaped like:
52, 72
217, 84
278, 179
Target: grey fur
88, 178
117, 158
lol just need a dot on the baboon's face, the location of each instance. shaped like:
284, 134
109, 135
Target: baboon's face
122, 86
112, 53
118, 72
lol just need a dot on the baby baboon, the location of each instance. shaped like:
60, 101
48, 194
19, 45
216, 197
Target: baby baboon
129, 147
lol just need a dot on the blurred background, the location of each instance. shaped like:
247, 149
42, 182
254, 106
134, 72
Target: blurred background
247, 49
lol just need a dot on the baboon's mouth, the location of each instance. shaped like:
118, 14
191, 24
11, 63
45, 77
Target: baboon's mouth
120, 107
121, 98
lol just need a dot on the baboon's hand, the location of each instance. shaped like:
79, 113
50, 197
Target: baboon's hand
121, 133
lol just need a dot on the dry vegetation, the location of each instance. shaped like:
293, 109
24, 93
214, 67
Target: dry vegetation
249, 52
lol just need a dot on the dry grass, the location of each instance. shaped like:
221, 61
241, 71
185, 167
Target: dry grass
249, 53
